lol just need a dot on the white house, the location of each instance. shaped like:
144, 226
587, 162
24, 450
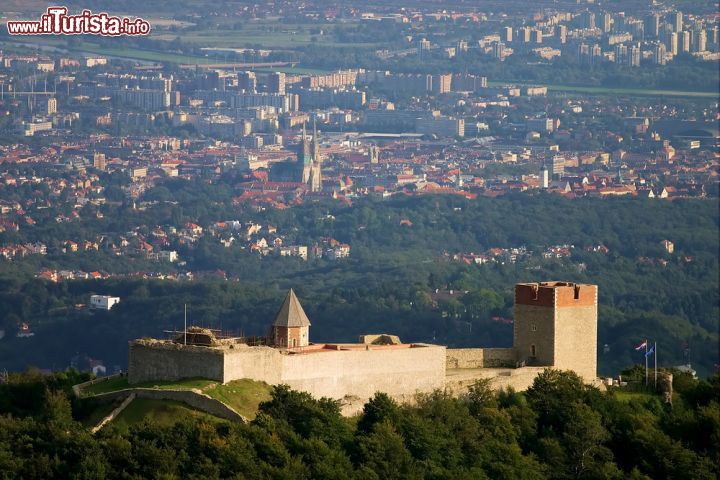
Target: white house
103, 302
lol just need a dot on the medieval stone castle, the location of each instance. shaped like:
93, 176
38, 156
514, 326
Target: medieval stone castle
555, 326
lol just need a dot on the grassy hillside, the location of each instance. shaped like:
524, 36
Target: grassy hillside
159, 412
244, 396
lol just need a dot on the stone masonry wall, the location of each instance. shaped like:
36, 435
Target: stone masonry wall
534, 325
576, 340
156, 361
500, 378
256, 363
401, 373
479, 357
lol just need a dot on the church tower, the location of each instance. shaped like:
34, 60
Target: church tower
291, 328
316, 172
305, 159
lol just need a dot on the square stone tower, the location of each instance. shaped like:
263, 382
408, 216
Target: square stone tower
556, 326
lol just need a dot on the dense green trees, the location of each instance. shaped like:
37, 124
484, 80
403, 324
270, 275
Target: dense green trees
560, 429
389, 281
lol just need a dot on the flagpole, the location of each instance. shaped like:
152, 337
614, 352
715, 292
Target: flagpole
655, 365
646, 364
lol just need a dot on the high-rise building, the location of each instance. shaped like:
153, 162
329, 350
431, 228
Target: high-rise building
557, 166
685, 41
701, 42
619, 22
562, 33
48, 105
652, 26
634, 55
507, 34
583, 53
99, 161
276, 83
607, 22
537, 36
424, 47
442, 83
637, 28
247, 81
659, 54
677, 21
595, 54
673, 43
499, 50
556, 324
621, 54
526, 33
588, 19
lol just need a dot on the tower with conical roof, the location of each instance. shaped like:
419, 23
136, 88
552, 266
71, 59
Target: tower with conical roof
291, 328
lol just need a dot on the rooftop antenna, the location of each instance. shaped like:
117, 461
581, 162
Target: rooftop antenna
185, 329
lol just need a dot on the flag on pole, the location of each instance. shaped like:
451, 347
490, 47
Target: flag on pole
642, 345
650, 351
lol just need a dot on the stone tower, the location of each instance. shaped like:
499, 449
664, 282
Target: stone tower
291, 328
556, 326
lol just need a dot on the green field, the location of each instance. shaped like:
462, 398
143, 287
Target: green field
242, 395
129, 53
138, 54
628, 396
265, 35
120, 383
613, 90
161, 412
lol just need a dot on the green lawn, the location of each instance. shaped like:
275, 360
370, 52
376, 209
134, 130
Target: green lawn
242, 395
161, 412
122, 52
242, 38
613, 90
268, 34
138, 54
627, 396
120, 383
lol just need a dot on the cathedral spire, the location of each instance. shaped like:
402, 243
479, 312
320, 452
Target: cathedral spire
315, 144
304, 148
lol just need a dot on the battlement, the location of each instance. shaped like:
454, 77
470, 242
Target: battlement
556, 294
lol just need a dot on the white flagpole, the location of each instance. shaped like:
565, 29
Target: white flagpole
646, 363
656, 365
185, 330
